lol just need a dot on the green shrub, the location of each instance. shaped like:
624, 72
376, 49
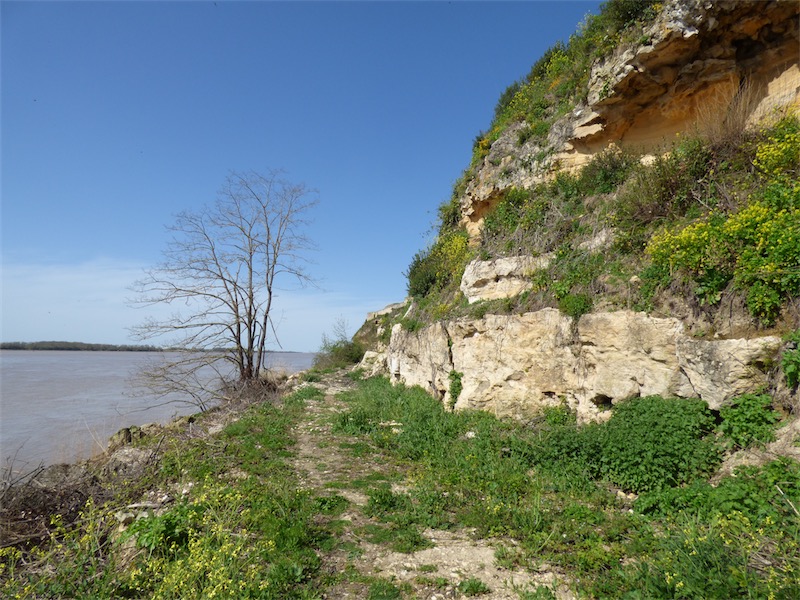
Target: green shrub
622, 13
652, 443
575, 305
780, 152
168, 533
790, 360
757, 247
450, 213
757, 492
473, 587
749, 420
411, 324
722, 558
443, 263
718, 536
338, 354
605, 172
653, 278
667, 188
455, 386
421, 273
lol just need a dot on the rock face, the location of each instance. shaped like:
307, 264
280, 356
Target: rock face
697, 62
500, 278
514, 365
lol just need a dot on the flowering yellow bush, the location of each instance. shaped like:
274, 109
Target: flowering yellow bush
758, 247
781, 150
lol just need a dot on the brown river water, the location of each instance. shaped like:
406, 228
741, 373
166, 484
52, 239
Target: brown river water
62, 406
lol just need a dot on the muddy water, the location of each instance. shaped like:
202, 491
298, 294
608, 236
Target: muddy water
62, 406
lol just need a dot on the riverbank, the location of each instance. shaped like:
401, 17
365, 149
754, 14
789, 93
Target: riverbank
343, 488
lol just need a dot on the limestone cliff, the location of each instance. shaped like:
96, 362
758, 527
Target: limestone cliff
696, 61
513, 365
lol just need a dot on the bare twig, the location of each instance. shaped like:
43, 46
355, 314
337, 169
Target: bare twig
794, 508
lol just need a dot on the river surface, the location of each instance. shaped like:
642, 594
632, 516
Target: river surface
62, 406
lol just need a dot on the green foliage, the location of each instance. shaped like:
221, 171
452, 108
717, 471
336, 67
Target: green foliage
537, 130
411, 324
757, 247
722, 558
667, 188
653, 277
471, 468
443, 263
757, 492
653, 443
519, 209
575, 305
622, 13
543, 485
169, 532
473, 587
455, 386
383, 590
749, 420
605, 172
505, 98
251, 535
717, 536
790, 361
450, 214
421, 273
339, 351
780, 152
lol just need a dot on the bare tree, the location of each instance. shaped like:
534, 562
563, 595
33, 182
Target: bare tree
222, 267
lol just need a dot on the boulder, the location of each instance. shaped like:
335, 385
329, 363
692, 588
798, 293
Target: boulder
500, 278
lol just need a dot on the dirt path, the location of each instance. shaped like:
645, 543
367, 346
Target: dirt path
325, 463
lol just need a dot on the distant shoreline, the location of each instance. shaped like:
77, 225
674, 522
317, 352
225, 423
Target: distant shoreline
88, 347
60, 345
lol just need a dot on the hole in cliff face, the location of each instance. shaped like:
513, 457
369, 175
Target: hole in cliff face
747, 49
437, 393
602, 401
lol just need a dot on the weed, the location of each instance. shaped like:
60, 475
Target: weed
749, 420
473, 587
427, 568
652, 443
455, 386
541, 486
575, 305
790, 360
384, 590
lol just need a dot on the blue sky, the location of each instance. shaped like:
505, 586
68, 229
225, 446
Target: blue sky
118, 115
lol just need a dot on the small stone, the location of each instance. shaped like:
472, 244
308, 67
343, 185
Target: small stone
125, 517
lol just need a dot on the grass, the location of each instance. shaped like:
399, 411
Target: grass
241, 525
242, 529
546, 488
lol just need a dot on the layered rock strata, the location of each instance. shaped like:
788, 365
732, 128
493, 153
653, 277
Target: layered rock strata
701, 61
514, 365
